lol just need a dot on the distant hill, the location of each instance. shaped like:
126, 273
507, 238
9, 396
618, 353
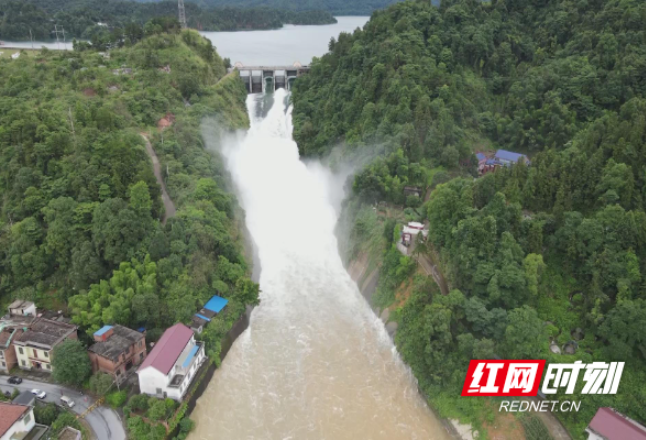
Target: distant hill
87, 18
337, 7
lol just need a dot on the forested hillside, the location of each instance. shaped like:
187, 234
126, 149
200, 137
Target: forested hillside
80, 216
97, 18
337, 7
551, 252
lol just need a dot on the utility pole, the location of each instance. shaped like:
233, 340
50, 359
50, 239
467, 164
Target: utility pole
182, 13
31, 38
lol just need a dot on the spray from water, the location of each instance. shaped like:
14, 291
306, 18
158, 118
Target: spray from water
315, 363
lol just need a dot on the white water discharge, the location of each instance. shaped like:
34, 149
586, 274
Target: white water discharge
315, 362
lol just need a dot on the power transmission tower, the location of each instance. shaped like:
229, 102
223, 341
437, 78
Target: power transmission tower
57, 32
182, 13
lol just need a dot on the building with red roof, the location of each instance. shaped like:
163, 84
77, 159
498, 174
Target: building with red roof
16, 421
172, 364
608, 424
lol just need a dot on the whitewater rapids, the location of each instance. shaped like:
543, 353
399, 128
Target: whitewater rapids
315, 362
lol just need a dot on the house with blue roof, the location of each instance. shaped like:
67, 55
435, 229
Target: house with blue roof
502, 158
213, 307
508, 158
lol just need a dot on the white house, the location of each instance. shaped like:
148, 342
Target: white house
16, 421
172, 364
22, 308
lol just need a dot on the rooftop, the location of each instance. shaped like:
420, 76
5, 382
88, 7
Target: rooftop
24, 398
8, 334
21, 304
69, 433
10, 414
46, 332
216, 304
21, 322
168, 349
510, 156
102, 330
615, 426
120, 342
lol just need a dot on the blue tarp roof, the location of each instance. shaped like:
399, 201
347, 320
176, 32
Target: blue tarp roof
480, 156
190, 356
102, 330
216, 304
509, 155
141, 329
203, 317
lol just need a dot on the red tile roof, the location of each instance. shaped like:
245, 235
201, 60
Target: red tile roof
166, 351
614, 426
10, 414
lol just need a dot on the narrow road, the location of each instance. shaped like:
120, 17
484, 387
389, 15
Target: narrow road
169, 206
104, 421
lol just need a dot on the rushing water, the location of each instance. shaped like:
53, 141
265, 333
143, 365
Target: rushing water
315, 362
281, 46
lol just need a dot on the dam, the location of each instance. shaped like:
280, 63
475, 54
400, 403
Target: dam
262, 79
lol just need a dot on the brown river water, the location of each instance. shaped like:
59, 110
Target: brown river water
315, 362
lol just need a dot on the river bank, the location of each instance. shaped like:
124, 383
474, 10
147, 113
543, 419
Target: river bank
366, 276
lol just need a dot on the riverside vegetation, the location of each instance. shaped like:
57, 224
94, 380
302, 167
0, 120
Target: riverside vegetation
112, 19
81, 209
532, 254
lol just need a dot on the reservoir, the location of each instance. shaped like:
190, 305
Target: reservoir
281, 46
315, 362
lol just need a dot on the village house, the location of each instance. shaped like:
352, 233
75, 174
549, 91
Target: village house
22, 308
215, 305
608, 424
69, 433
412, 191
8, 358
35, 346
172, 364
502, 158
12, 326
18, 422
117, 350
26, 398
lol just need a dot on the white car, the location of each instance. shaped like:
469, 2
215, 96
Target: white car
38, 393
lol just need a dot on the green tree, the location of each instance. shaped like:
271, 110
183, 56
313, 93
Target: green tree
70, 363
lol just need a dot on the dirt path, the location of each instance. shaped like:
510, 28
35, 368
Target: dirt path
433, 271
169, 206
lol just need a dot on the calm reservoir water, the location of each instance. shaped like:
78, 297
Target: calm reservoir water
315, 362
282, 46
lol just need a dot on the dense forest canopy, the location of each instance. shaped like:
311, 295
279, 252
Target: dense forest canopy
534, 254
80, 217
337, 7
87, 18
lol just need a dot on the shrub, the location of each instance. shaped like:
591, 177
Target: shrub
46, 414
157, 411
117, 399
100, 383
139, 402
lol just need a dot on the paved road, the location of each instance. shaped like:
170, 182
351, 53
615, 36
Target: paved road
104, 421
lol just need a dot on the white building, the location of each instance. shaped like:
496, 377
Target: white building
172, 364
16, 421
22, 308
